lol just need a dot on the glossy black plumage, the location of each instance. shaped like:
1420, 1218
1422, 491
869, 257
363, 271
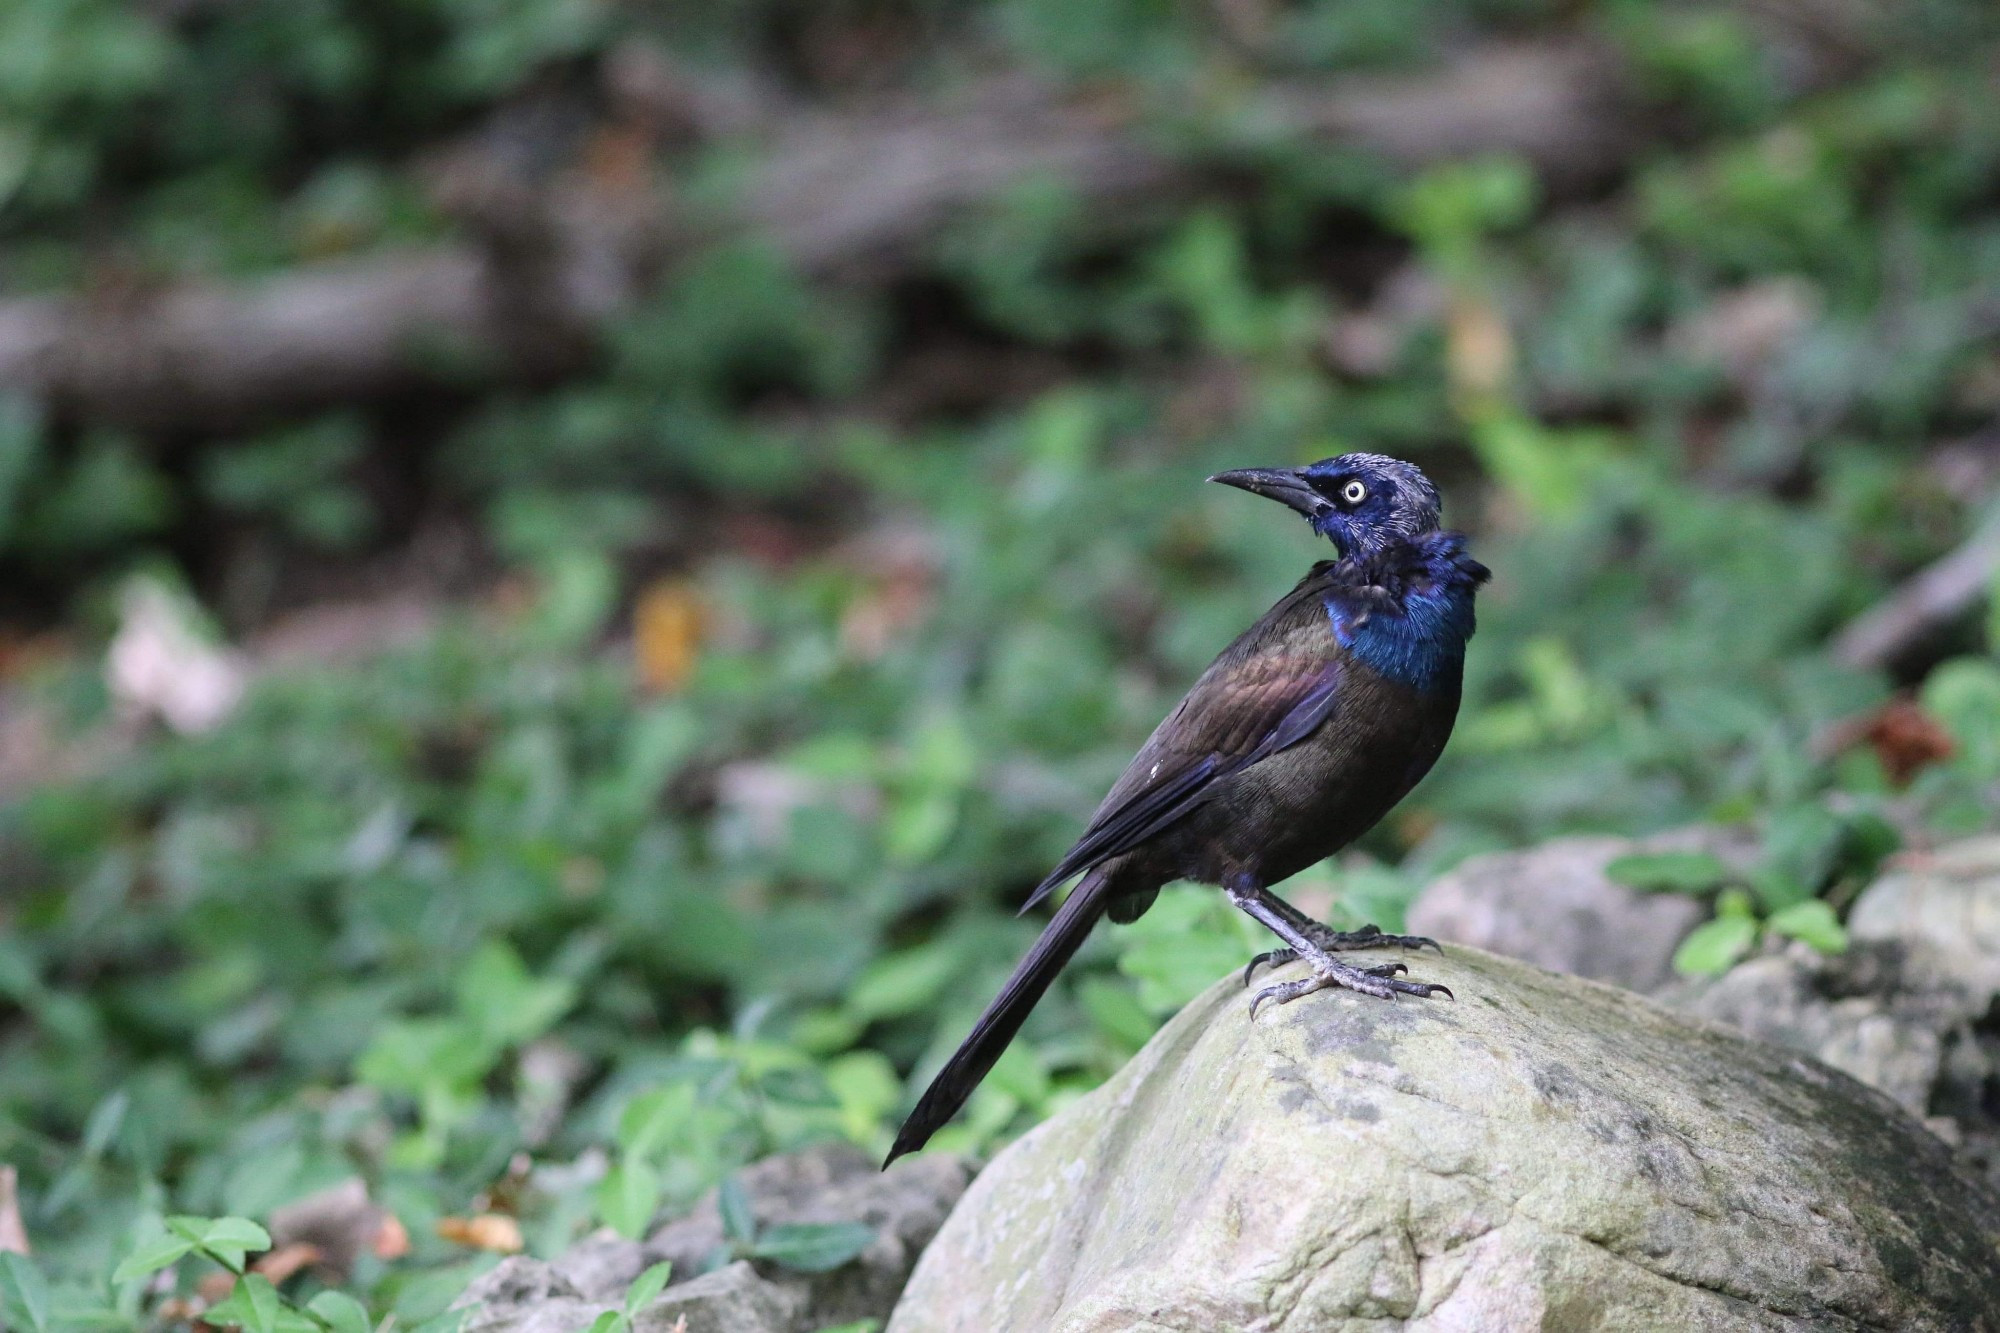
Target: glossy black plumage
1301, 735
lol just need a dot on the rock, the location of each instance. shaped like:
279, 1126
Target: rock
834, 1182
1908, 1009
1553, 906
342, 1223
523, 1295
828, 1183
1850, 1012
1944, 908
1545, 1153
732, 1299
603, 1264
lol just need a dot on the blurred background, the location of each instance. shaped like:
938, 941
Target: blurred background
564, 564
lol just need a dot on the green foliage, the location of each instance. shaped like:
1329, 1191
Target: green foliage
487, 923
1668, 872
24, 1294
1715, 945
644, 1289
804, 1247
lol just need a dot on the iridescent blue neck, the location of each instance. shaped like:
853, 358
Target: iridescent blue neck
1419, 638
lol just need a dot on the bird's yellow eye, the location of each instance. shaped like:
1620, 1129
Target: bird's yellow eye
1354, 492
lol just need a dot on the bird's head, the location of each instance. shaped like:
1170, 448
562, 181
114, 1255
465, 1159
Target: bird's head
1359, 502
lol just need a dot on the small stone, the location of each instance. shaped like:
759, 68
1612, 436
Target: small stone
833, 1182
1554, 906
523, 1295
732, 1299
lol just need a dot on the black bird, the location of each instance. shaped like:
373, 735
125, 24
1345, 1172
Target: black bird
1294, 742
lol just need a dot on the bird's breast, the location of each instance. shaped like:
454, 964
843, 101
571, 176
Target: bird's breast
1419, 644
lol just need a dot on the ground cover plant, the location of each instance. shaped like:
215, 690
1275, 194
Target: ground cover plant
729, 663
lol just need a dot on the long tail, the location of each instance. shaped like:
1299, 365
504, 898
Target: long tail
1003, 1018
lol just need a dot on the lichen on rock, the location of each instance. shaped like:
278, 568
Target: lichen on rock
1546, 1153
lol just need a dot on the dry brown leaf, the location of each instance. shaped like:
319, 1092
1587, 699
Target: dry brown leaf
340, 1222
392, 1238
619, 160
1906, 739
496, 1232
13, 1232
280, 1264
1479, 350
22, 653
667, 627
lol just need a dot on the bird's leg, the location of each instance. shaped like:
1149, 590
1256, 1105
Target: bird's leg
1331, 940
1281, 920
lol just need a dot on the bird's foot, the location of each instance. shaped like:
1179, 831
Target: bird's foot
1382, 982
1335, 941
1368, 937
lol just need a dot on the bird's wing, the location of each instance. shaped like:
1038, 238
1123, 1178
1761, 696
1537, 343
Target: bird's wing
1272, 688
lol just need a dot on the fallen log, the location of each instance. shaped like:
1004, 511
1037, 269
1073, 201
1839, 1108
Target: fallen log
834, 192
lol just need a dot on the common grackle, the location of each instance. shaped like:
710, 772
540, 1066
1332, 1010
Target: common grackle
1293, 743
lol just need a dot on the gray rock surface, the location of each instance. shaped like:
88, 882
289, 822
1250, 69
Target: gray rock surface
1547, 1153
1943, 908
1909, 1009
830, 1183
834, 1183
1553, 906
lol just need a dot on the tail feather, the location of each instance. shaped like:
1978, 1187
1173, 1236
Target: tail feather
975, 1056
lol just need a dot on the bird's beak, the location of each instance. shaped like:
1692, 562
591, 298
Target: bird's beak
1284, 485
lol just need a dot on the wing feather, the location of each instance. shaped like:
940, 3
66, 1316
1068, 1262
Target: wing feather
1271, 689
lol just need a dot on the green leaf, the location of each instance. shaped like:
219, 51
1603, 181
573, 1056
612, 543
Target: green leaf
646, 1287
152, 1256
1668, 872
797, 1085
224, 1239
611, 1321
508, 1005
865, 1085
237, 1232
628, 1197
342, 1313
1116, 1011
1801, 845
261, 1304
813, 1247
189, 1227
415, 1055
858, 1326
1777, 890
450, 1321
1814, 922
1712, 946
24, 1294
904, 982
651, 1119
256, 1306
738, 1222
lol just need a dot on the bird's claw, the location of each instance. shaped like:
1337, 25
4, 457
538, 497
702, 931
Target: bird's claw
1334, 941
1275, 957
1368, 937
1383, 982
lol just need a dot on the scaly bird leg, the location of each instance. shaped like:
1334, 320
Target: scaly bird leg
1331, 940
1284, 921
